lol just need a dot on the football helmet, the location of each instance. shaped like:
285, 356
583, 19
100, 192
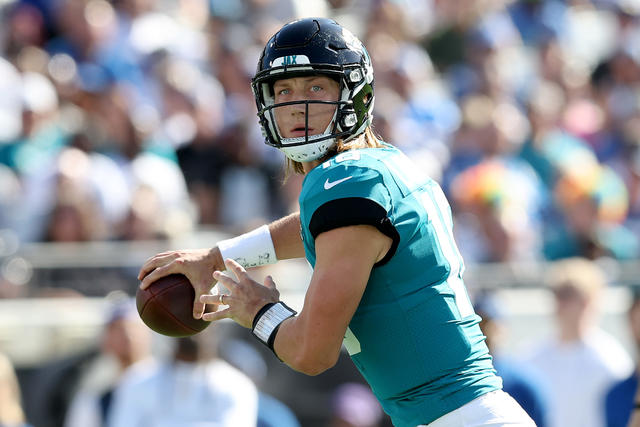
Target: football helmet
315, 46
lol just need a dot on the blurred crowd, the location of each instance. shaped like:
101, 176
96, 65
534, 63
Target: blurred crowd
134, 119
128, 120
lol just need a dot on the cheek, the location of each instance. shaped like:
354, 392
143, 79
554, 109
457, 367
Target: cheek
279, 116
322, 112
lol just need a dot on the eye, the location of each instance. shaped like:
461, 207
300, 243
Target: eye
316, 88
283, 91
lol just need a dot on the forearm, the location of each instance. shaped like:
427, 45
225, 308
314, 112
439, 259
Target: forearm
303, 350
285, 233
311, 341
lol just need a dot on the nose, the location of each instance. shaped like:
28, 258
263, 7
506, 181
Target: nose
299, 108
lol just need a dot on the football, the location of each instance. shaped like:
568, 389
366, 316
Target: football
167, 306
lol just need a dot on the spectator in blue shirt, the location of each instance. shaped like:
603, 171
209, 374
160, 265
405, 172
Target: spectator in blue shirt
516, 378
619, 399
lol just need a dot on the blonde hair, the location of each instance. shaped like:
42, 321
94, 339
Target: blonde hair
10, 406
367, 139
581, 274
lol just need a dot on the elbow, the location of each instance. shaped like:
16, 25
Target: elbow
315, 363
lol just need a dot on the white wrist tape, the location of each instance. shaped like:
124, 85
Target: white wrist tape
268, 320
251, 249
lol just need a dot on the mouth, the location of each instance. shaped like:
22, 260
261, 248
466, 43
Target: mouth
298, 131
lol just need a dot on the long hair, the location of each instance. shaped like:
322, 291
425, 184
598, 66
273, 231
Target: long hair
367, 139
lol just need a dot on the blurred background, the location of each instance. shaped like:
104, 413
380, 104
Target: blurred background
128, 127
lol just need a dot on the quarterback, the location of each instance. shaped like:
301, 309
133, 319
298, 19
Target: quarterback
387, 279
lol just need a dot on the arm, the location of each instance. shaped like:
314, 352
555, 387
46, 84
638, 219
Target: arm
199, 264
311, 342
285, 233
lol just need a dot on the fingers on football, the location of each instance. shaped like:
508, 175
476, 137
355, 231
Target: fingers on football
154, 263
237, 269
156, 274
198, 308
214, 299
149, 265
217, 315
224, 279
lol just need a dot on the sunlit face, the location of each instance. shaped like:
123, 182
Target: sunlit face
571, 304
127, 339
291, 118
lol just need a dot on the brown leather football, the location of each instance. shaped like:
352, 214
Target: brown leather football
167, 306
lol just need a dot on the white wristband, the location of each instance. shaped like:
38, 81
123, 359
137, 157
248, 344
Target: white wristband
251, 249
268, 320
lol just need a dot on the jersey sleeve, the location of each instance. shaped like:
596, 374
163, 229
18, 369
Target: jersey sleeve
349, 194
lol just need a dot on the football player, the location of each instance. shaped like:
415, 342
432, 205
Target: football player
387, 275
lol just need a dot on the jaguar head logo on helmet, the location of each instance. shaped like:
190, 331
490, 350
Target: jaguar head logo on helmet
310, 47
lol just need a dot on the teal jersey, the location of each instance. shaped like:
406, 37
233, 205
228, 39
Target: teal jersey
414, 336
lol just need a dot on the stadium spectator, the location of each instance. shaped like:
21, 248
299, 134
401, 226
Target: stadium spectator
619, 400
499, 203
591, 201
353, 405
9, 197
634, 421
628, 167
73, 218
432, 58
580, 361
315, 104
124, 346
194, 388
11, 412
570, 68
272, 412
517, 379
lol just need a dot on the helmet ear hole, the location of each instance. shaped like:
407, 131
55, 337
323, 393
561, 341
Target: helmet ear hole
349, 120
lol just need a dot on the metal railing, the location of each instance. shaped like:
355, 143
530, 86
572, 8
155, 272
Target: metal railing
97, 268
44, 277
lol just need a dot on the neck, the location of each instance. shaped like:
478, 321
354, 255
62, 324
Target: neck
308, 166
571, 334
574, 331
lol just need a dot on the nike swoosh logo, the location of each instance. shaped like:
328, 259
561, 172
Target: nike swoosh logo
328, 185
